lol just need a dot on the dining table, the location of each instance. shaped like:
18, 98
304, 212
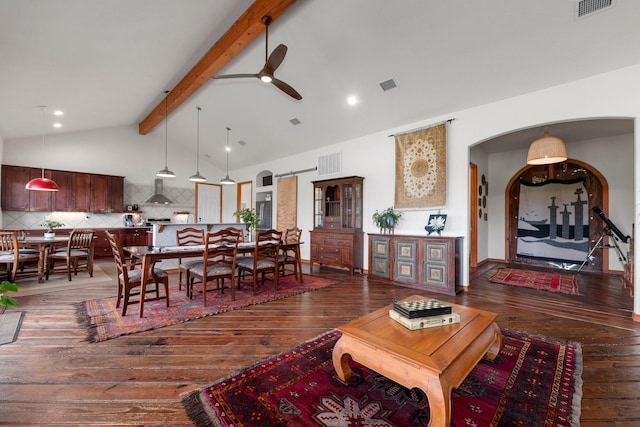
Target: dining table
42, 244
149, 255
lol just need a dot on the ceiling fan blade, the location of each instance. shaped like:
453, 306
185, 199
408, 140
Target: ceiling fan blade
234, 76
287, 89
276, 58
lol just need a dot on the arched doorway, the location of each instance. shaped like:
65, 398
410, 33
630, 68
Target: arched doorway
551, 228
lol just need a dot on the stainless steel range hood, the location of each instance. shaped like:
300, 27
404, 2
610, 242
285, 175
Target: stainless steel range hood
158, 197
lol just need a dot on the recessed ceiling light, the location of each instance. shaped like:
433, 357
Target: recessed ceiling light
58, 113
57, 125
352, 100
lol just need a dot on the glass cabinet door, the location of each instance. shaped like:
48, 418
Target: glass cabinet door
318, 214
347, 206
358, 206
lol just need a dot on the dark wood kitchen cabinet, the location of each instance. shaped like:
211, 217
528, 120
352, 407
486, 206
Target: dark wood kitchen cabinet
107, 193
15, 197
136, 236
337, 236
79, 191
81, 198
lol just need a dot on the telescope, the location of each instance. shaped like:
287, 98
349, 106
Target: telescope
610, 225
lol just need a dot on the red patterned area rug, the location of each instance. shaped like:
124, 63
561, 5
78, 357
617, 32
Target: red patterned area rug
534, 381
553, 282
104, 321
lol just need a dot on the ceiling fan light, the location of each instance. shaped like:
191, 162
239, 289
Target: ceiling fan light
546, 150
42, 184
266, 79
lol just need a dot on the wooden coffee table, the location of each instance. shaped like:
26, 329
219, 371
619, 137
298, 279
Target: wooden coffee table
435, 360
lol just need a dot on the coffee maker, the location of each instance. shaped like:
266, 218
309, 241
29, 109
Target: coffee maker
128, 220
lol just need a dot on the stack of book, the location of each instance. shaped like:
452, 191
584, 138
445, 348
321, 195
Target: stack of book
423, 313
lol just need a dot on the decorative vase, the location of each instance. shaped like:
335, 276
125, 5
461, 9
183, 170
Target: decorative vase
49, 235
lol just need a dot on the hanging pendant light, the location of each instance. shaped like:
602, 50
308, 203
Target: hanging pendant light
197, 177
42, 183
226, 179
166, 173
546, 150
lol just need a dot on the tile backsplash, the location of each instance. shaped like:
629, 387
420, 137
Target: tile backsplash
183, 201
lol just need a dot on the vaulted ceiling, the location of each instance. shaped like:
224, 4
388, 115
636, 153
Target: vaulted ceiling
107, 64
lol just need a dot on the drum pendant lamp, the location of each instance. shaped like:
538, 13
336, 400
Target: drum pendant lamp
546, 150
42, 183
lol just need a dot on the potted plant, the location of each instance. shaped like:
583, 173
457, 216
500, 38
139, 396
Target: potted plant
6, 300
386, 220
249, 217
50, 224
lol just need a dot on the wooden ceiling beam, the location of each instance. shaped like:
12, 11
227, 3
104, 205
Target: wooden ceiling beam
246, 28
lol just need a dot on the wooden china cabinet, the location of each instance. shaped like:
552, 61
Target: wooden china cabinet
337, 236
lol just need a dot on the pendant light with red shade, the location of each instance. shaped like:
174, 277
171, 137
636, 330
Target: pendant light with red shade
42, 183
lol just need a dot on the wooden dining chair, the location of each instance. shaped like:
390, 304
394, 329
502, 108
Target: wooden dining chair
264, 258
129, 279
78, 255
217, 264
11, 256
290, 256
188, 237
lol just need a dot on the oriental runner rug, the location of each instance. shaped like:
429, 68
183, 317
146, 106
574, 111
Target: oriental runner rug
546, 281
534, 381
104, 321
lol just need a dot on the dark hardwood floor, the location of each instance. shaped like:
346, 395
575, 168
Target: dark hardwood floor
51, 376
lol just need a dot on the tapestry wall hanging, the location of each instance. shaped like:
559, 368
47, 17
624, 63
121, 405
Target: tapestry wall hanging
553, 221
421, 168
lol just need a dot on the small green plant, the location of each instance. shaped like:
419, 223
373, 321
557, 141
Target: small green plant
249, 217
387, 219
6, 300
50, 224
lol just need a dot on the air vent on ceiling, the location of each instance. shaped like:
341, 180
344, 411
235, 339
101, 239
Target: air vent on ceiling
586, 8
241, 142
330, 164
388, 85
295, 121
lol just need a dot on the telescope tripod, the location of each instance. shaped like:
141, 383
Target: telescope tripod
605, 232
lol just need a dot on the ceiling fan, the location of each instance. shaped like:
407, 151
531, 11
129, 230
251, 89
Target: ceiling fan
272, 62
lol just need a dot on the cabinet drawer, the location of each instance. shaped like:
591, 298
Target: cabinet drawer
330, 259
329, 251
339, 242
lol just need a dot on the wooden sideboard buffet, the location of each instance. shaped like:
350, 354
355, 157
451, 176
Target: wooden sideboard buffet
337, 238
432, 263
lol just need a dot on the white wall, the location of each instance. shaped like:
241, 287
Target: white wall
613, 94
111, 151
